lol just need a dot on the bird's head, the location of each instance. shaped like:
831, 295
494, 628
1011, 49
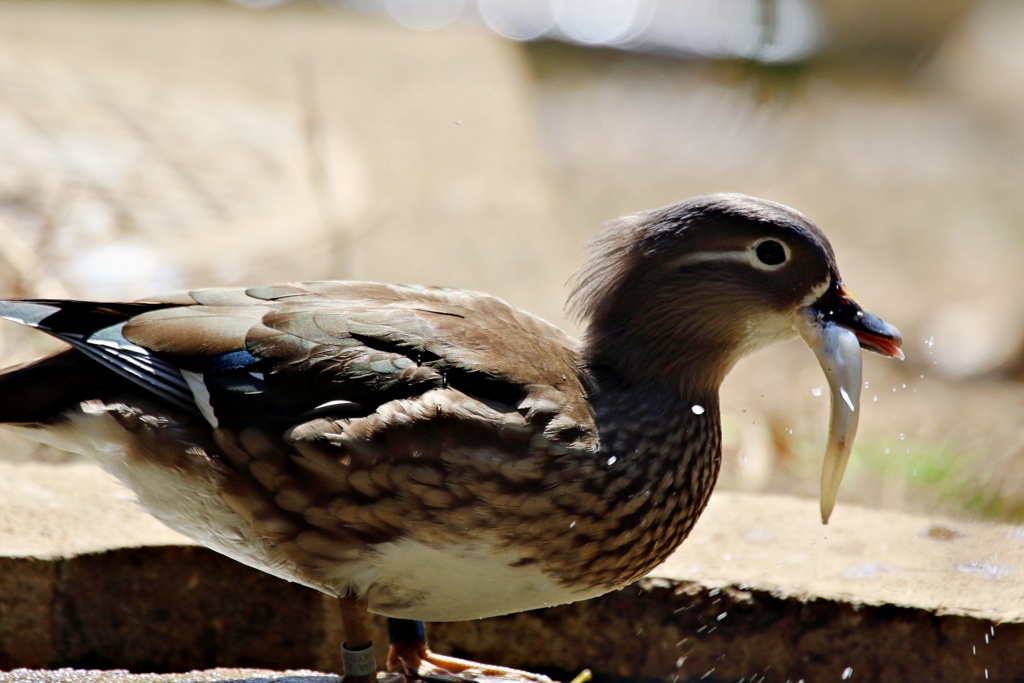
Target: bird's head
677, 295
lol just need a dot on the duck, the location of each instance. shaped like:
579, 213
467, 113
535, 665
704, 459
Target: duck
435, 454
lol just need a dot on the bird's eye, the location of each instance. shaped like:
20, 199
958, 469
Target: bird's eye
771, 252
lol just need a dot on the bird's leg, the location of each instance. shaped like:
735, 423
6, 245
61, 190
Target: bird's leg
410, 655
357, 650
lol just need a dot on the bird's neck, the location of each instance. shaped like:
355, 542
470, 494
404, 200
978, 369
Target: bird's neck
659, 456
675, 355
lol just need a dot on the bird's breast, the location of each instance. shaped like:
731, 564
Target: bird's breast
466, 579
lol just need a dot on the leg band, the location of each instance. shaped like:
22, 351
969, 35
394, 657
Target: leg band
359, 662
406, 631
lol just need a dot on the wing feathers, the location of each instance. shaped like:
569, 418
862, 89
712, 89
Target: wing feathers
301, 352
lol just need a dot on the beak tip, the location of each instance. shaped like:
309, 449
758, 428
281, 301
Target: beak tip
826, 513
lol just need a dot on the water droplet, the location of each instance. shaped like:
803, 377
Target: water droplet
875, 399
887, 451
697, 410
680, 662
817, 391
847, 673
867, 385
722, 616
902, 436
572, 523
930, 342
612, 460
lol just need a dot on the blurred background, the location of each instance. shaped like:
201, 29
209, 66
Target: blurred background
152, 146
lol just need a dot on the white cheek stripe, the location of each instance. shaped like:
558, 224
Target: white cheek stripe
711, 257
747, 255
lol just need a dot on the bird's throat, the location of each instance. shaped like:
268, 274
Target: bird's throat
659, 459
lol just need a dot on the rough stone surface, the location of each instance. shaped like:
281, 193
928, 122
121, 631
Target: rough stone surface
52, 511
865, 556
670, 630
760, 589
28, 592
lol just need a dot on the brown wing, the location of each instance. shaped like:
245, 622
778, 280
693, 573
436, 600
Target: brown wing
362, 343
345, 413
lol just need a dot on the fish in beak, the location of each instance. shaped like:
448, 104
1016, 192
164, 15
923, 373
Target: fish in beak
837, 328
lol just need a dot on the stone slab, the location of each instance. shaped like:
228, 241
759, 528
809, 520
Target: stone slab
759, 587
866, 555
863, 556
51, 512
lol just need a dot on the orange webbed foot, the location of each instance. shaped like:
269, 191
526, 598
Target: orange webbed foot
416, 660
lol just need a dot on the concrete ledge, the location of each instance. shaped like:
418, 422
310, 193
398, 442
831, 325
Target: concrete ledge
760, 590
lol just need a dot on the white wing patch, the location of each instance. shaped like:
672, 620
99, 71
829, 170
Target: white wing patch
197, 384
